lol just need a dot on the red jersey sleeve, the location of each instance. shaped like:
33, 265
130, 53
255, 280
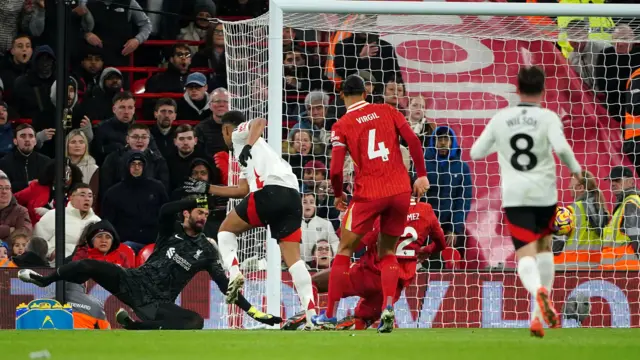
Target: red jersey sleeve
435, 230
338, 154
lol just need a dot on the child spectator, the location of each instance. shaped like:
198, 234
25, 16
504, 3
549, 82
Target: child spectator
34, 256
5, 261
421, 125
100, 241
19, 242
4, 250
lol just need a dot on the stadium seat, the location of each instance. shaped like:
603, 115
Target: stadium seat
129, 254
144, 254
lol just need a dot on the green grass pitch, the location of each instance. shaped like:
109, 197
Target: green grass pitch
436, 344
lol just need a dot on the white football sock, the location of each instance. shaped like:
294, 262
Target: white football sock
547, 271
228, 246
304, 287
529, 275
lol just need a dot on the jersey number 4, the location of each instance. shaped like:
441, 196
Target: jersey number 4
410, 235
522, 145
382, 151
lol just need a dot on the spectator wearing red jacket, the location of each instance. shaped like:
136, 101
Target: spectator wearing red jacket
100, 241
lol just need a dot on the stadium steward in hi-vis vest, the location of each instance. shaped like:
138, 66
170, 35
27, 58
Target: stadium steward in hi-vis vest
600, 28
582, 247
621, 237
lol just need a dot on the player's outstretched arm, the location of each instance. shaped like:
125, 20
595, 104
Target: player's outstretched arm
256, 129
233, 192
338, 155
220, 278
483, 146
561, 146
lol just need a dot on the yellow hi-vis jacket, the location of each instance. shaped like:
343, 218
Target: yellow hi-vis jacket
617, 253
600, 28
582, 248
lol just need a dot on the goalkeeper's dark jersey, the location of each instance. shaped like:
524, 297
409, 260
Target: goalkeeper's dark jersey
176, 259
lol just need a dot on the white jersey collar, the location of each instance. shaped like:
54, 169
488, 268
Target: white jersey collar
359, 105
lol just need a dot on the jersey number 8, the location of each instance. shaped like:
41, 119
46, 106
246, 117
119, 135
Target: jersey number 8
519, 151
382, 151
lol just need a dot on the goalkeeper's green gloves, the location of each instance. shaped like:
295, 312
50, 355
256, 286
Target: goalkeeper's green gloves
264, 318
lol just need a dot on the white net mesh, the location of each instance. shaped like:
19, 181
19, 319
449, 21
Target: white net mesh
454, 71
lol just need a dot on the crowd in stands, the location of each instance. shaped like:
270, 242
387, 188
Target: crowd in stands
120, 171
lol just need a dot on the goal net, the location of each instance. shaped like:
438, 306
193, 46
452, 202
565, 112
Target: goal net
449, 75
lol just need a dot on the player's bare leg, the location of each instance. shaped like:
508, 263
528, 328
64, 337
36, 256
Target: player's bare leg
546, 268
530, 277
320, 283
290, 249
231, 227
339, 277
389, 275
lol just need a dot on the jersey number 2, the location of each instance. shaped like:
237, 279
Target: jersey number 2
382, 151
410, 235
520, 151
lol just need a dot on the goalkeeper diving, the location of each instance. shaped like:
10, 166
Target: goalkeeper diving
182, 250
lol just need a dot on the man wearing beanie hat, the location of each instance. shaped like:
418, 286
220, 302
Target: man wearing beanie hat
181, 251
132, 205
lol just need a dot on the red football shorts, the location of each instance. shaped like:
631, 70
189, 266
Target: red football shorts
392, 210
367, 285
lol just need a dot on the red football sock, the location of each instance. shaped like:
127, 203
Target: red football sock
316, 299
389, 274
338, 279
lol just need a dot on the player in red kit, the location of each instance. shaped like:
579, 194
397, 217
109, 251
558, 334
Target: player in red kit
422, 236
371, 133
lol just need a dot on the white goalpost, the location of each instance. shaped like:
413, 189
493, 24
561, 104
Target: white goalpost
456, 66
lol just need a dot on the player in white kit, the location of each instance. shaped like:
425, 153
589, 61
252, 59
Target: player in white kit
271, 197
524, 136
